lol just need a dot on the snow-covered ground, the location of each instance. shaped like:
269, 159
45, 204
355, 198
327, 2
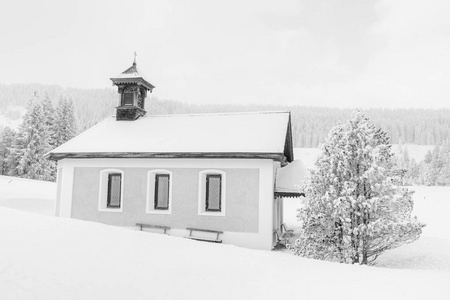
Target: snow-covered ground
53, 258
28, 195
417, 152
307, 155
7, 122
43, 257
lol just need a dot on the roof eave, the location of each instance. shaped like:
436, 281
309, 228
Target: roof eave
135, 80
230, 155
289, 194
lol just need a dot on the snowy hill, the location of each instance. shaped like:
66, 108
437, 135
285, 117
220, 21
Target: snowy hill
417, 152
54, 258
28, 195
44, 257
6, 122
307, 155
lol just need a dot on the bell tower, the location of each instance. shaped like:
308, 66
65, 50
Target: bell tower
133, 88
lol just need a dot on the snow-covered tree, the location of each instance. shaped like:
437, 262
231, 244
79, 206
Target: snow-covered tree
65, 123
439, 165
354, 209
7, 139
403, 164
49, 120
49, 117
435, 169
20, 142
33, 142
414, 171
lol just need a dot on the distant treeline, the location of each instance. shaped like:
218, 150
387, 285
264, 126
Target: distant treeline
91, 105
310, 124
433, 170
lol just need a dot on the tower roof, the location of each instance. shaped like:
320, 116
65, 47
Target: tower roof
132, 75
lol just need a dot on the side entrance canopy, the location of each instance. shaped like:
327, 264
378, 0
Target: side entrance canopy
289, 180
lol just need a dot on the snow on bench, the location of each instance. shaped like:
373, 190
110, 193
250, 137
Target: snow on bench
204, 239
142, 225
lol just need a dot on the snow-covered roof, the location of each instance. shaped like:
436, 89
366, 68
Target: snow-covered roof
257, 134
132, 74
290, 178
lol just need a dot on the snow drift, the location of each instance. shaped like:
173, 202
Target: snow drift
53, 258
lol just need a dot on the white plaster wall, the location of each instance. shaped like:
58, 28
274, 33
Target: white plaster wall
261, 240
65, 186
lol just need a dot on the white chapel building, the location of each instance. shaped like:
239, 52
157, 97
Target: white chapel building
211, 177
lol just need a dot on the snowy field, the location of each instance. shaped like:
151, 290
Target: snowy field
43, 257
7, 122
417, 152
28, 195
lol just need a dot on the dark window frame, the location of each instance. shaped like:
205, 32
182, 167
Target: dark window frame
155, 206
108, 198
125, 100
208, 176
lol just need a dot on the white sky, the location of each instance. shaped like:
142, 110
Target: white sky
316, 53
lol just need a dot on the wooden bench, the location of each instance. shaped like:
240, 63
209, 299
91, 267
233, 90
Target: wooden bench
141, 225
204, 239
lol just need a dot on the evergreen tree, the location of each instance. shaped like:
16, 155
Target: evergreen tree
439, 165
49, 117
445, 172
354, 211
65, 124
21, 141
49, 121
7, 140
414, 172
33, 144
435, 169
428, 157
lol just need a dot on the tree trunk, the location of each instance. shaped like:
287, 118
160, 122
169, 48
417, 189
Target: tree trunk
364, 251
340, 242
365, 240
354, 239
364, 259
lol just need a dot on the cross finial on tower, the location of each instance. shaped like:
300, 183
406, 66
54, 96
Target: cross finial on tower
134, 61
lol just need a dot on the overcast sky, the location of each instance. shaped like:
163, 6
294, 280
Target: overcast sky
315, 53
